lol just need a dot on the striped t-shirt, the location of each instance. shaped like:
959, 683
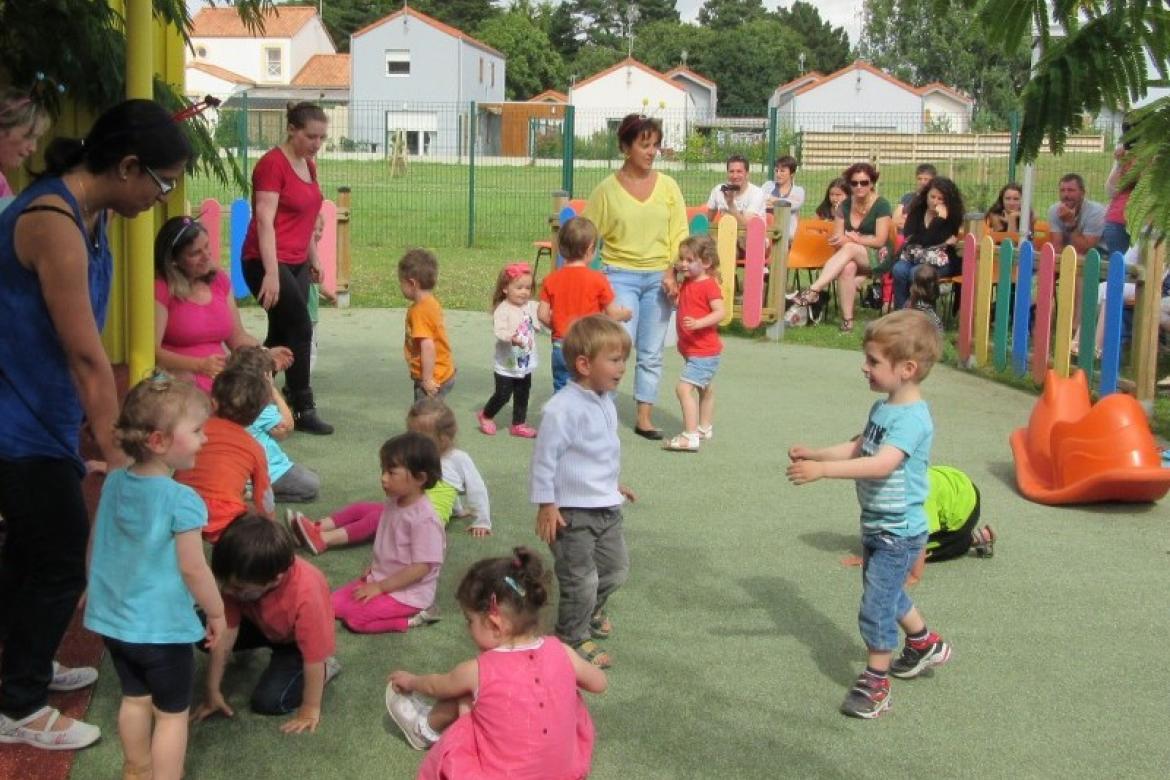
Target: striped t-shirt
894, 504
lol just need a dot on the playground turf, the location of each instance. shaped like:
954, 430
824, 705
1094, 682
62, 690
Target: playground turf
736, 635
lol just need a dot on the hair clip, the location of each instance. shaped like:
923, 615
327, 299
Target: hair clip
513, 270
187, 223
39, 93
511, 583
195, 109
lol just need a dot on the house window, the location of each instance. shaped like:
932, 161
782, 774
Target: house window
481, 70
493, 74
272, 62
397, 62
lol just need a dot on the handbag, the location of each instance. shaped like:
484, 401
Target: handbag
930, 255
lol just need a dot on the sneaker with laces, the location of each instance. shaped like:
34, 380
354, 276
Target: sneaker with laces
915, 660
310, 533
523, 430
486, 424
868, 698
17, 732
67, 678
404, 711
425, 617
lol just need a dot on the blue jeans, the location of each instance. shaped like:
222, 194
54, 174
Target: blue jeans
560, 369
641, 292
1115, 238
887, 560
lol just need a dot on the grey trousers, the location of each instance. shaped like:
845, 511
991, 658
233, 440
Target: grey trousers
297, 485
591, 562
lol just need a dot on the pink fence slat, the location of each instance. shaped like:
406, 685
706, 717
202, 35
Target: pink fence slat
1042, 330
967, 304
327, 249
211, 218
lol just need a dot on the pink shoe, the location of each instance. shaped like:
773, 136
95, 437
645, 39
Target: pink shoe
486, 424
523, 430
310, 533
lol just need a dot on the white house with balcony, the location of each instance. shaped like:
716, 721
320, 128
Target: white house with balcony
601, 100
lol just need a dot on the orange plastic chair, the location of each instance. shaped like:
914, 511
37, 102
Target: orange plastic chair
1041, 230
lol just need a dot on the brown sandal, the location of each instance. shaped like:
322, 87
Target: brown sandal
846, 325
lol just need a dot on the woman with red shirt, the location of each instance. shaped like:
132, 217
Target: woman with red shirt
279, 255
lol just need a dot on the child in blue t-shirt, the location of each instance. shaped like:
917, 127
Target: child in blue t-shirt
889, 465
147, 572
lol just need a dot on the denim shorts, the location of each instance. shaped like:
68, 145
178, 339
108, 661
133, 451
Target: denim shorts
887, 560
699, 371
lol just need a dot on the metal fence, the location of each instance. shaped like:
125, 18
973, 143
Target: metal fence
447, 174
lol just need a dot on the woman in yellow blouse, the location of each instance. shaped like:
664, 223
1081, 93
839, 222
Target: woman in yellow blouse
641, 217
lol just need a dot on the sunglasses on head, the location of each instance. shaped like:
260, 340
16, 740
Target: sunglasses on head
860, 183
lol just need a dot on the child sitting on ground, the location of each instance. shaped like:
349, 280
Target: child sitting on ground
426, 349
924, 293
291, 482
516, 709
231, 457
574, 480
408, 546
575, 290
700, 310
889, 463
147, 572
276, 600
515, 324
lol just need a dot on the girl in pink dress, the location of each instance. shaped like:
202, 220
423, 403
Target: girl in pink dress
515, 711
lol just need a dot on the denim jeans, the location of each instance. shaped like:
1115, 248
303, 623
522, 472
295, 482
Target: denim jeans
887, 560
1115, 238
641, 292
560, 369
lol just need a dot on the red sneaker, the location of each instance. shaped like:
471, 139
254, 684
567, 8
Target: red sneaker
523, 430
486, 424
310, 533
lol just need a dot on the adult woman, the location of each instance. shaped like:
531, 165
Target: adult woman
932, 234
1118, 188
55, 268
22, 122
1004, 214
835, 195
195, 315
280, 256
861, 232
784, 187
641, 216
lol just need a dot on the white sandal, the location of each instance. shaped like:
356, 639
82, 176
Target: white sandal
78, 735
682, 443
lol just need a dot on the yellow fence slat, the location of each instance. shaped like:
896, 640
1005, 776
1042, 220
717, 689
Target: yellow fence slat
1066, 297
984, 277
728, 232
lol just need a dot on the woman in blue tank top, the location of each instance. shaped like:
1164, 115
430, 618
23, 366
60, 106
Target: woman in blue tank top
55, 268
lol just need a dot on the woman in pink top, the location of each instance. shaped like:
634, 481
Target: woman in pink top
23, 120
516, 711
195, 317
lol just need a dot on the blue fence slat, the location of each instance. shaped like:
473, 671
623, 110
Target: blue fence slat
241, 216
1114, 305
1023, 315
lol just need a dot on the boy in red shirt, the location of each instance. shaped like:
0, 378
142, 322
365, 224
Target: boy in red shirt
231, 457
273, 599
426, 349
574, 291
700, 309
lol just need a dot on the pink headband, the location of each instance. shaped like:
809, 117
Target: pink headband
513, 270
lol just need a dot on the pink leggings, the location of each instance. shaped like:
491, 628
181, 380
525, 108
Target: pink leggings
377, 616
359, 520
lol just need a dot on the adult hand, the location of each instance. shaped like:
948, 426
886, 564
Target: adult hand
941, 211
96, 467
367, 591
803, 471
836, 240
215, 703
305, 719
670, 286
1066, 215
213, 365
315, 274
548, 522
269, 290
281, 356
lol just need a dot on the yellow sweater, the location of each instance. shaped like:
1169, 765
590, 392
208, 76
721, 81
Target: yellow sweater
639, 235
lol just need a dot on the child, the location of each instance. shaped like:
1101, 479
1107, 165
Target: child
574, 479
231, 456
575, 290
291, 482
700, 310
924, 293
889, 463
524, 714
408, 546
514, 320
427, 351
147, 572
276, 600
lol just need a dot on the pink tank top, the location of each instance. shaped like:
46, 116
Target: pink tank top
197, 330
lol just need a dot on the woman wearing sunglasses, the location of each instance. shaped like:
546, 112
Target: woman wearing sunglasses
861, 233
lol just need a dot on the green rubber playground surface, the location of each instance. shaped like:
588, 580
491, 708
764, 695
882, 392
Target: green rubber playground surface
736, 635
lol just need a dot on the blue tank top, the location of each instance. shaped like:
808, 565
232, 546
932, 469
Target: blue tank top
38, 401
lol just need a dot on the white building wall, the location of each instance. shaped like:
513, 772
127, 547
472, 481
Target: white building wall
309, 40
200, 83
623, 92
939, 104
245, 56
858, 100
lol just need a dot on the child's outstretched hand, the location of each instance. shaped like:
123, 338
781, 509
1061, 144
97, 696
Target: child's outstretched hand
214, 703
803, 471
800, 452
479, 532
403, 682
305, 719
216, 628
548, 522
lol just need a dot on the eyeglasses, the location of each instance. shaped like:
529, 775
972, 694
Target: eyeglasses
164, 187
860, 183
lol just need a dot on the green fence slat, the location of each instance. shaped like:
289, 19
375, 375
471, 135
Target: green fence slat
1087, 346
1003, 302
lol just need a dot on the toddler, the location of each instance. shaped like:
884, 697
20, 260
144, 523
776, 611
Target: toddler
408, 546
924, 293
889, 464
516, 709
427, 351
231, 457
147, 572
515, 322
574, 480
574, 290
276, 600
700, 310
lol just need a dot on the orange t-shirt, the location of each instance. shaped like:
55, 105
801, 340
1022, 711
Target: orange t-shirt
573, 292
424, 320
222, 469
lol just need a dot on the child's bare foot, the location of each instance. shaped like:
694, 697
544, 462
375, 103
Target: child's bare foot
852, 560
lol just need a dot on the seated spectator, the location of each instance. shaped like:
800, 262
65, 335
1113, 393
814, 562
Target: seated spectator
1074, 220
1004, 214
922, 176
835, 195
737, 196
932, 235
784, 188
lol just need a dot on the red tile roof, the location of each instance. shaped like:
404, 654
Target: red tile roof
281, 22
220, 73
627, 61
324, 70
435, 23
935, 86
549, 96
862, 65
680, 70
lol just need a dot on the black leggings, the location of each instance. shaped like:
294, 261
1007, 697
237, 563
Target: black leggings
945, 545
288, 321
510, 387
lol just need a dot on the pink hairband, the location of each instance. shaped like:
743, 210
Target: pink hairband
513, 270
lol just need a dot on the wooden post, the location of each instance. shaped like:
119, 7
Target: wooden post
343, 259
778, 271
1145, 323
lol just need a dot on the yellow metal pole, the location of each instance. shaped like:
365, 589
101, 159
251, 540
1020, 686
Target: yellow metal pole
172, 63
140, 230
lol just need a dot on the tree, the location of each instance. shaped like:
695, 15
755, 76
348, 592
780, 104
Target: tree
465, 15
591, 59
661, 44
748, 62
729, 14
344, 17
606, 23
826, 47
533, 65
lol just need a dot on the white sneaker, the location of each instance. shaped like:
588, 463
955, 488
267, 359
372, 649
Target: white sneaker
72, 679
332, 668
404, 711
17, 732
426, 617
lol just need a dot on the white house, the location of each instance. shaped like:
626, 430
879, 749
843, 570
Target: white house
703, 90
601, 100
292, 35
862, 97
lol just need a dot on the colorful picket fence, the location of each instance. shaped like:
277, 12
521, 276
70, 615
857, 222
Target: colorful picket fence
758, 302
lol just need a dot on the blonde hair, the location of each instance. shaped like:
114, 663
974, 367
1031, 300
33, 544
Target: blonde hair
255, 360
156, 404
588, 336
907, 334
575, 238
434, 419
19, 109
703, 247
507, 275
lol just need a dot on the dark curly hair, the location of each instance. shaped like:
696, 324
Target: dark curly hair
518, 584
